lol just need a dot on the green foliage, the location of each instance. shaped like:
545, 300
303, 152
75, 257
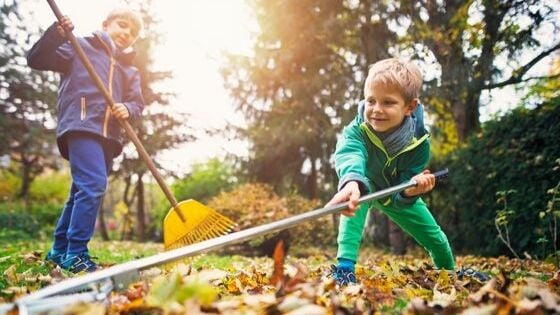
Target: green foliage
9, 185
27, 101
514, 157
205, 181
19, 220
37, 221
51, 187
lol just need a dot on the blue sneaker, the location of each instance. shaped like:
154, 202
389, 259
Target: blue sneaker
342, 276
79, 263
473, 274
55, 257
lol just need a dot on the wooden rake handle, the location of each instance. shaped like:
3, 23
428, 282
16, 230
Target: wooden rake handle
124, 123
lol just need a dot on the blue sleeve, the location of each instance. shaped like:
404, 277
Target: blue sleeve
51, 52
134, 100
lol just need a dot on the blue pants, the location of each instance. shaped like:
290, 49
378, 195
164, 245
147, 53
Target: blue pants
90, 161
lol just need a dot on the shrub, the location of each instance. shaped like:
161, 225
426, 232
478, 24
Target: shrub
253, 204
37, 222
514, 154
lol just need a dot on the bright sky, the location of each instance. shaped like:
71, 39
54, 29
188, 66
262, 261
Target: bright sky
195, 33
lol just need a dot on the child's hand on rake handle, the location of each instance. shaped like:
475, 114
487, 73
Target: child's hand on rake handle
425, 182
64, 25
120, 111
351, 193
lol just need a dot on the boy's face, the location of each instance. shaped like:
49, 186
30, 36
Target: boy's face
122, 31
386, 107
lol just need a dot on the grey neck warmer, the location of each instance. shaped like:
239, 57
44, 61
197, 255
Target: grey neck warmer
397, 140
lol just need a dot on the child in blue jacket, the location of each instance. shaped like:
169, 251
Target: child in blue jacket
88, 133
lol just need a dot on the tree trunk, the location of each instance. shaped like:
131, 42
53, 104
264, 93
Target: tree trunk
397, 239
370, 33
140, 211
312, 180
102, 224
25, 182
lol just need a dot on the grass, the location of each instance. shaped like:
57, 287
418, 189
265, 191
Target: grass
23, 269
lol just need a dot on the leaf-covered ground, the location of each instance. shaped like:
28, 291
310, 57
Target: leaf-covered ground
214, 284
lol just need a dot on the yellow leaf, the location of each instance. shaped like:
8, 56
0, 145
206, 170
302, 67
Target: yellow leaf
11, 274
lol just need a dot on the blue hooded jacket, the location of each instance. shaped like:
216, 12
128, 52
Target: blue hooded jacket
81, 107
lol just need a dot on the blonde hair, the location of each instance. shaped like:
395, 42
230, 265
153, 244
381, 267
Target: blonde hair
126, 13
405, 75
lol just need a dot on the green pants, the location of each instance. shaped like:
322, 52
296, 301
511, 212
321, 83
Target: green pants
416, 220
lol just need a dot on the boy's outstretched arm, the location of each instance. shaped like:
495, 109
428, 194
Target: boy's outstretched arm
47, 53
351, 193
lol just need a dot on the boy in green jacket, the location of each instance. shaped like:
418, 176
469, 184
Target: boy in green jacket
383, 147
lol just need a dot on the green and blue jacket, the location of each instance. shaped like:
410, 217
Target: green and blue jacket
360, 156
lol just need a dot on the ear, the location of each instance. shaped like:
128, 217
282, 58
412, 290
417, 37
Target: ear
104, 24
411, 106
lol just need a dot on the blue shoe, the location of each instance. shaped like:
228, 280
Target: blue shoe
473, 274
79, 263
342, 276
55, 258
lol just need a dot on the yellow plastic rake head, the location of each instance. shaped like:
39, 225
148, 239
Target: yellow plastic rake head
201, 223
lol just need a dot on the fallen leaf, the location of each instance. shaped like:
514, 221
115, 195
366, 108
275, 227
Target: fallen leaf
277, 278
11, 274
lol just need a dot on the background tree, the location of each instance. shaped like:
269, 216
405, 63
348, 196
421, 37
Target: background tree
479, 45
160, 128
27, 102
296, 90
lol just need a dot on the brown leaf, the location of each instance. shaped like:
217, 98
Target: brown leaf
11, 274
278, 273
554, 282
484, 293
135, 293
31, 257
298, 278
57, 275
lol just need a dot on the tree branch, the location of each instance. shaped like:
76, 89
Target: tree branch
517, 75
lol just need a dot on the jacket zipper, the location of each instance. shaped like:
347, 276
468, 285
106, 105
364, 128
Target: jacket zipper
110, 85
377, 142
84, 108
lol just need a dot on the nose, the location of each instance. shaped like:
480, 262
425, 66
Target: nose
375, 107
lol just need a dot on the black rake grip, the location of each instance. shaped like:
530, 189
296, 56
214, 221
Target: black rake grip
440, 175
